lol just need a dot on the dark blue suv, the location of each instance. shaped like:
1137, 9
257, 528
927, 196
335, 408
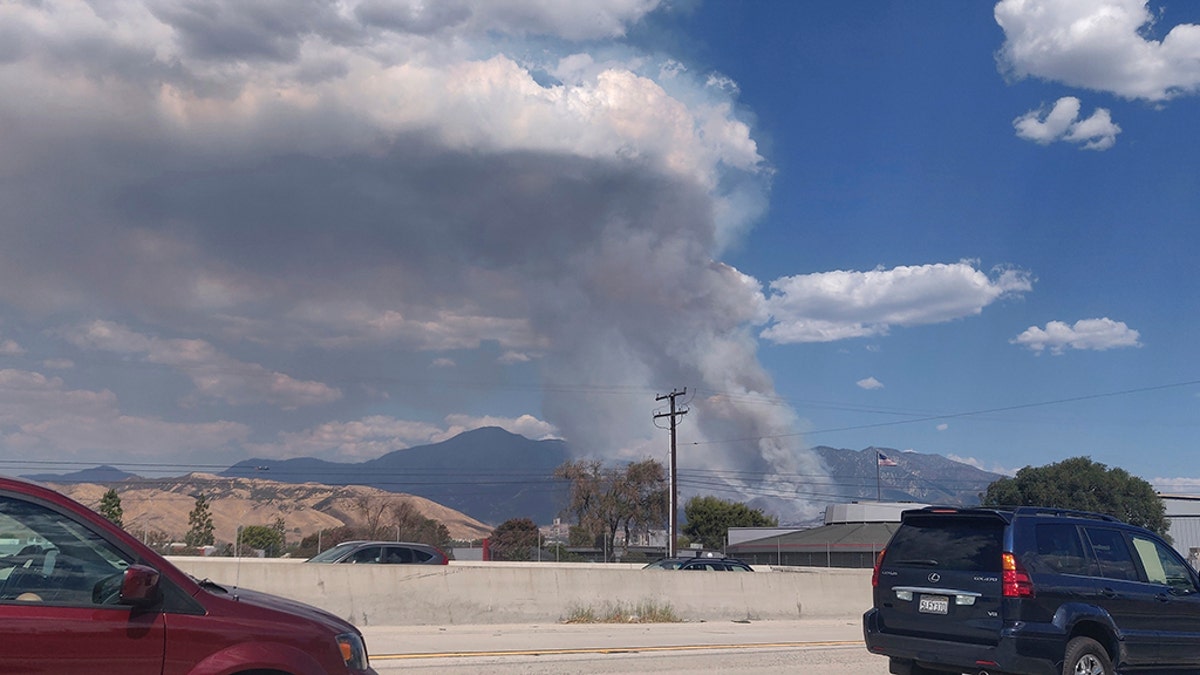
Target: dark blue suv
1031, 590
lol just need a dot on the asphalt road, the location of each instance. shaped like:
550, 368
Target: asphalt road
831, 647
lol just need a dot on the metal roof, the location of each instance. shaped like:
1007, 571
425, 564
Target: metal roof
849, 537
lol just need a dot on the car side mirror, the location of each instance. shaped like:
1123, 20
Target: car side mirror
139, 586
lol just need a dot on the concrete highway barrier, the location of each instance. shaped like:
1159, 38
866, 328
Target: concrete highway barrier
481, 593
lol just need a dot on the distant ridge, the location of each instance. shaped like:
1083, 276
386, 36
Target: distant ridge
492, 475
916, 477
96, 474
162, 505
487, 473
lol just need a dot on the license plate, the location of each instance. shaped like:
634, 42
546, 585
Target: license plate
934, 604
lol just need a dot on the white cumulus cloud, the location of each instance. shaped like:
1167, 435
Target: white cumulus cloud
213, 373
1062, 123
829, 306
979, 464
869, 383
42, 417
1093, 334
1176, 485
1102, 45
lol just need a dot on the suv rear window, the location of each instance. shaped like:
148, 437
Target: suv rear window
948, 542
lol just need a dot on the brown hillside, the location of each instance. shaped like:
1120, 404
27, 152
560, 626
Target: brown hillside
163, 505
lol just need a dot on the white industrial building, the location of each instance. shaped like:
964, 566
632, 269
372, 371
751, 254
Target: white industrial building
1184, 513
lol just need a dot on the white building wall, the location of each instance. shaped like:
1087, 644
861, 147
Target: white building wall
868, 512
1184, 513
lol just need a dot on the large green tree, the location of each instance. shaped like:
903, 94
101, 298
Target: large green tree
709, 520
1079, 483
514, 539
110, 507
200, 525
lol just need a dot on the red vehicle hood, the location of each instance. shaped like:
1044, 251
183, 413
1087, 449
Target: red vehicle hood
283, 608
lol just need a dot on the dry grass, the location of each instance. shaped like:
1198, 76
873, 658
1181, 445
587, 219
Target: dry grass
646, 611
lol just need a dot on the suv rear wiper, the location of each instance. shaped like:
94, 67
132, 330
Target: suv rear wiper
927, 562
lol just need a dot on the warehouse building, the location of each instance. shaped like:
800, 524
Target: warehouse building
852, 536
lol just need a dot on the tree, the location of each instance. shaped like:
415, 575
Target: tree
642, 497
709, 520
110, 507
265, 538
412, 525
200, 525
514, 539
327, 539
1081, 484
280, 526
605, 500
372, 509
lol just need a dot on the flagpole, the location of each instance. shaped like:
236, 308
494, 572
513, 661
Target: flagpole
878, 489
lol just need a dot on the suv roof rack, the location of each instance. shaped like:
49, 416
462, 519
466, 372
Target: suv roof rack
1055, 511
1049, 511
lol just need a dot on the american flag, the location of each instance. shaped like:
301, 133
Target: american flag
884, 460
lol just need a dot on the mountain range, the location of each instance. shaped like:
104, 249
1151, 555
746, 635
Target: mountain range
488, 473
491, 475
915, 477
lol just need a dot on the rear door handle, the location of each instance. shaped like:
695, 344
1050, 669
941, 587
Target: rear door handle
1108, 592
1162, 597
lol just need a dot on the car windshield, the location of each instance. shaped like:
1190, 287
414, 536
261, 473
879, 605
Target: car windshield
332, 554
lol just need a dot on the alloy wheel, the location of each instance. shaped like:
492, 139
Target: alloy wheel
1089, 665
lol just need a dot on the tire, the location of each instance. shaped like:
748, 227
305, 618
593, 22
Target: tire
1085, 656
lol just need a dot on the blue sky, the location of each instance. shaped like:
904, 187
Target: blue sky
342, 229
891, 128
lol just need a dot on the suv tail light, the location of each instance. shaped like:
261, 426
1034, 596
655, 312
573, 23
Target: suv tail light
1015, 580
875, 572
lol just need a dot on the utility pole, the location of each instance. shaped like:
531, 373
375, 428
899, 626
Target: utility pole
673, 518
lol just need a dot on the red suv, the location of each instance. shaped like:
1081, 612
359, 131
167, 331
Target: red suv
78, 594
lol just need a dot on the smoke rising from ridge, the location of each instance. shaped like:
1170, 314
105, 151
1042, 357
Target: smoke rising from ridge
371, 180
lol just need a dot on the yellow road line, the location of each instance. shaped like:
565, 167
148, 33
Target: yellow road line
613, 650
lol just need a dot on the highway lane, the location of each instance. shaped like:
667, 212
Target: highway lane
750, 660
846, 659
832, 646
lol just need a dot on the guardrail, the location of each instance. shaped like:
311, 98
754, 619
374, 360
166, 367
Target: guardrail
480, 593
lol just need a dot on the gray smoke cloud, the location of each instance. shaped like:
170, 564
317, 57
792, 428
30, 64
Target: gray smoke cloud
216, 187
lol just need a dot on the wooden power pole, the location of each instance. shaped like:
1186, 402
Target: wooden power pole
673, 518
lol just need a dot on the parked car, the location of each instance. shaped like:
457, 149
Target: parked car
700, 563
1031, 590
79, 595
381, 553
